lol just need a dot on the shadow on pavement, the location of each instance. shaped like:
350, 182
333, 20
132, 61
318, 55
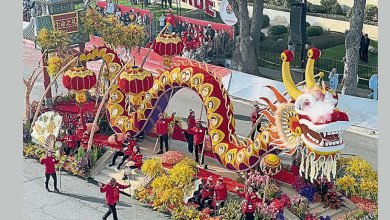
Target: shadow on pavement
91, 199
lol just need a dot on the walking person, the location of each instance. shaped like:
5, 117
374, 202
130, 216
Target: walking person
334, 79
162, 130
199, 132
112, 196
189, 134
49, 161
254, 116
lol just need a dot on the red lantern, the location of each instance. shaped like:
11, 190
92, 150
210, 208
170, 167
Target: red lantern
135, 81
79, 79
168, 45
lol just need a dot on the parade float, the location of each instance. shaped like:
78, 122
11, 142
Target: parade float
303, 123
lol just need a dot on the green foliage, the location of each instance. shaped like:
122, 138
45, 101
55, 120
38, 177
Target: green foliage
307, 24
289, 3
314, 31
262, 36
276, 2
80, 154
94, 154
52, 39
328, 3
265, 21
371, 13
277, 30
349, 13
231, 211
336, 9
316, 8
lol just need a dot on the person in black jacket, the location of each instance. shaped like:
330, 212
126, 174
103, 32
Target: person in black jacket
361, 48
366, 44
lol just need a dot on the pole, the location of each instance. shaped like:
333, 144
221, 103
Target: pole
202, 155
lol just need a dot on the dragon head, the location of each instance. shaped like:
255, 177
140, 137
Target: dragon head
312, 122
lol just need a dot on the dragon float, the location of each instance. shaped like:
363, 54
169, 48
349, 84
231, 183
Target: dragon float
308, 123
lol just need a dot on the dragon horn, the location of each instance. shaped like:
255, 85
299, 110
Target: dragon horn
313, 54
287, 56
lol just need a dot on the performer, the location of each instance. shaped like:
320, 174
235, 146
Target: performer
207, 194
199, 132
220, 194
118, 152
49, 161
136, 157
112, 196
255, 115
71, 142
190, 135
251, 201
162, 130
128, 149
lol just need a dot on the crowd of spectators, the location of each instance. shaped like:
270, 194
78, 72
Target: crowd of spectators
126, 18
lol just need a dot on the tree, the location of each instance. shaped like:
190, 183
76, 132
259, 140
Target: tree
29, 83
352, 44
249, 37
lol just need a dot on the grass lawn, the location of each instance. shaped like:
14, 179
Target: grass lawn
338, 52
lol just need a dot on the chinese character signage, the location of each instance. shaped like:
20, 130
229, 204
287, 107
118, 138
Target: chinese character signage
67, 22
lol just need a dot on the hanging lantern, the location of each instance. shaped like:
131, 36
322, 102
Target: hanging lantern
270, 164
79, 79
135, 81
168, 45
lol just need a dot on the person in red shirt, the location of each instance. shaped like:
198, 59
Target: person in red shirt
122, 146
189, 134
220, 194
71, 142
136, 157
162, 130
49, 161
207, 194
128, 150
251, 201
112, 196
254, 116
199, 132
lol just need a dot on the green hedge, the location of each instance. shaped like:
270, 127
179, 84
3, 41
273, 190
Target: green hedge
314, 31
277, 30
371, 13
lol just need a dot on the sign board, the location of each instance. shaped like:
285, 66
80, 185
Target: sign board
206, 5
227, 14
67, 22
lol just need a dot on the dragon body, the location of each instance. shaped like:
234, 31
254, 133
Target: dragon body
293, 125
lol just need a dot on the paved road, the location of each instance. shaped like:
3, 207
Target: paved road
78, 199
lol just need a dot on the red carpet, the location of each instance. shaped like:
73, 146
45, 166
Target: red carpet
285, 176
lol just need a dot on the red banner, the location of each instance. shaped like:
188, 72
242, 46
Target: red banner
155, 61
127, 8
67, 22
215, 26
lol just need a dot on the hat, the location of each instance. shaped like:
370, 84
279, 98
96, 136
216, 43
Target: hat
220, 179
209, 25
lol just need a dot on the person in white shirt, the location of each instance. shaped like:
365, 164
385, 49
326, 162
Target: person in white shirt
334, 79
162, 21
110, 7
373, 85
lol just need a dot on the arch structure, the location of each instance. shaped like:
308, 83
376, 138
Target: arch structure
309, 121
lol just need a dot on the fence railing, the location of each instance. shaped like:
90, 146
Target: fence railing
271, 59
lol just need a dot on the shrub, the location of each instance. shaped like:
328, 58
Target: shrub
277, 30
307, 24
349, 13
316, 8
265, 21
289, 3
336, 9
328, 3
276, 2
314, 31
371, 13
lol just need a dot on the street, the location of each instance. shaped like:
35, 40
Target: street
78, 199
